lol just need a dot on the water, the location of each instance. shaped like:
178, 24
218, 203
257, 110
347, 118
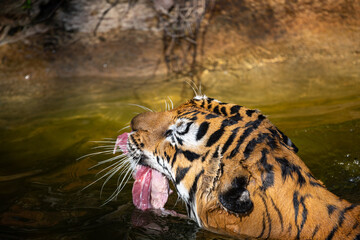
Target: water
43, 133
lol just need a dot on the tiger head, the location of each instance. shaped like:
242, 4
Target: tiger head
236, 172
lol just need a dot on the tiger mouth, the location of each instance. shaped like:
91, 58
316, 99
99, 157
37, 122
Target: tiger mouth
151, 188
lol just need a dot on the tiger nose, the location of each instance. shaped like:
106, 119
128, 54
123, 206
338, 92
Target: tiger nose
151, 121
142, 120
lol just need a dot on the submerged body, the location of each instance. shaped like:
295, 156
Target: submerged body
237, 173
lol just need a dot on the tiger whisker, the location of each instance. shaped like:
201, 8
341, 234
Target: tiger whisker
140, 106
126, 178
172, 103
114, 171
103, 141
93, 154
128, 126
165, 105
106, 161
105, 146
92, 183
121, 186
126, 167
189, 83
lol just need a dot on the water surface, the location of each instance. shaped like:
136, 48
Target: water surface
43, 134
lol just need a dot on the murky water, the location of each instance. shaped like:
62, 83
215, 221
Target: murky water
43, 134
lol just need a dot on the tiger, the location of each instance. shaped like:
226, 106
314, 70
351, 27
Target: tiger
238, 174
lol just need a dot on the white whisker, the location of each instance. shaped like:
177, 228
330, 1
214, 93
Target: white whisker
172, 103
93, 154
128, 126
196, 94
105, 147
140, 106
106, 161
120, 187
103, 141
114, 171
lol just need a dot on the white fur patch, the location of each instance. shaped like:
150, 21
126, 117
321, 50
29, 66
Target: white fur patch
183, 191
200, 97
186, 131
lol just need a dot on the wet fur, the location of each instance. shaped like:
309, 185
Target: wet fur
239, 175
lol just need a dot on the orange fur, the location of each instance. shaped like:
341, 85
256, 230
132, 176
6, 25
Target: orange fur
288, 202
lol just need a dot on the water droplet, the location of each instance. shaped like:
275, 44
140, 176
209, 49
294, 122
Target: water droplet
27, 76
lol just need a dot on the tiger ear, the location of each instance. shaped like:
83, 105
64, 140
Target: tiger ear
236, 198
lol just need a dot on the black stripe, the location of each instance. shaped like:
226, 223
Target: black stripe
209, 100
315, 231
331, 209
267, 215
296, 205
188, 125
357, 237
279, 214
235, 109
179, 140
315, 184
331, 235
268, 180
263, 227
340, 221
355, 225
180, 174
301, 180
228, 122
251, 127
304, 216
192, 118
158, 160
287, 141
287, 169
210, 116
245, 134
203, 158
216, 110
290, 227
175, 157
215, 137
313, 181
229, 141
186, 113
249, 112
236, 118
191, 156
252, 144
202, 130
194, 186
216, 153
167, 157
223, 111
257, 122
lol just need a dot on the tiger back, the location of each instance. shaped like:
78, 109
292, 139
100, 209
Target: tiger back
238, 174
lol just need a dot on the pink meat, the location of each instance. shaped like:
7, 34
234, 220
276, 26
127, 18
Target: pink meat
151, 188
159, 190
141, 191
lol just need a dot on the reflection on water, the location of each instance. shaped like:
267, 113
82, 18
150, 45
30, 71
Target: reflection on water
43, 134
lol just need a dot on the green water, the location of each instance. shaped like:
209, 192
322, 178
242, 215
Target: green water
43, 134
